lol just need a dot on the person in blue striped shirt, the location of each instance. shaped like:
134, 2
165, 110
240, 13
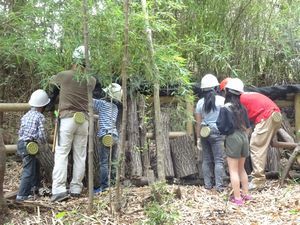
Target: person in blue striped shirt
107, 109
32, 130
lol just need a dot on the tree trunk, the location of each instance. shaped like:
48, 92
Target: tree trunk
133, 139
273, 163
143, 131
121, 152
165, 120
183, 154
46, 158
2, 173
157, 112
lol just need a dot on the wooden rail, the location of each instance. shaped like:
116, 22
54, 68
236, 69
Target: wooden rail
14, 107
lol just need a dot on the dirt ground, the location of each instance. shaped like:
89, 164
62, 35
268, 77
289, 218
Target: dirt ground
189, 205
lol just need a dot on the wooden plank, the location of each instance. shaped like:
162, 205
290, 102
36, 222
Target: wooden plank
284, 103
10, 149
173, 134
11, 194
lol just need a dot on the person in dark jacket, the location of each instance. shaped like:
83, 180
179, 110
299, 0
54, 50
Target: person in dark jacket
234, 123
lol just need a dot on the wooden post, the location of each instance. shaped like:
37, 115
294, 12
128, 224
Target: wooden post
2, 173
190, 111
297, 120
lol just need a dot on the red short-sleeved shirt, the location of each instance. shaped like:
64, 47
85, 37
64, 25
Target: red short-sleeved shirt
259, 107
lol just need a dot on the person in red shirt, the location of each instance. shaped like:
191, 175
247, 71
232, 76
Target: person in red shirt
266, 116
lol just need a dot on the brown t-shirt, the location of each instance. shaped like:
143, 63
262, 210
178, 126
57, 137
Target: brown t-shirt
73, 95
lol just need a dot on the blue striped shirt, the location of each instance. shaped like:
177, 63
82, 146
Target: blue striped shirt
32, 127
108, 113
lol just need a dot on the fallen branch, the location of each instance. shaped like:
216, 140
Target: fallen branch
289, 164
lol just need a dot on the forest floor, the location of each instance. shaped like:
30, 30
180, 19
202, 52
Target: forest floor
168, 204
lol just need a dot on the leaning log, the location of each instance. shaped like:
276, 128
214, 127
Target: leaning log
183, 155
273, 163
165, 120
2, 173
287, 126
134, 147
46, 159
291, 160
285, 135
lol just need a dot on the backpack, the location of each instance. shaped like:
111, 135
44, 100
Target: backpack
225, 121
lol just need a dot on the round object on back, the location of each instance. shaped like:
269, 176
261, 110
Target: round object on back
39, 98
209, 81
277, 117
32, 148
223, 83
236, 85
114, 91
107, 140
205, 131
79, 117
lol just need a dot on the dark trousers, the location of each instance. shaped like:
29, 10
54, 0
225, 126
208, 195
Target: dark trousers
104, 163
30, 178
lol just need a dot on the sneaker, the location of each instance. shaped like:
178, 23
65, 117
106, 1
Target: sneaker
75, 195
220, 189
59, 197
246, 197
208, 187
238, 202
254, 186
99, 190
24, 198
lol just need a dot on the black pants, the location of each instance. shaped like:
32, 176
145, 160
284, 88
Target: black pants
30, 178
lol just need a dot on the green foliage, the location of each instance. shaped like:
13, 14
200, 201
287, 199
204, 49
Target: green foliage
160, 209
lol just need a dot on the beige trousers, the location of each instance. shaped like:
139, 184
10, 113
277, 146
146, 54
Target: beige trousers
259, 145
72, 135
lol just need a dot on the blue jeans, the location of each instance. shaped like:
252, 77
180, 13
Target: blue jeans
104, 163
213, 160
30, 178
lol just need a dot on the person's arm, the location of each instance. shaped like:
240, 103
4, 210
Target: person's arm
53, 96
54, 92
198, 119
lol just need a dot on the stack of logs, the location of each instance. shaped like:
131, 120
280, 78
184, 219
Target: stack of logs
181, 156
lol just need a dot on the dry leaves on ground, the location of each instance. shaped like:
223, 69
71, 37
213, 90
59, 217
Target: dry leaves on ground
273, 205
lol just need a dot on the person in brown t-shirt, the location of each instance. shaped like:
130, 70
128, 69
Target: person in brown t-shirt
73, 127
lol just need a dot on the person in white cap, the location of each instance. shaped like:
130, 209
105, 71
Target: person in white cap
206, 114
107, 109
73, 127
31, 131
233, 122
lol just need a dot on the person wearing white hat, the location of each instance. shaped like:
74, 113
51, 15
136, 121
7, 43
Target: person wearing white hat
73, 126
31, 132
233, 122
206, 114
107, 109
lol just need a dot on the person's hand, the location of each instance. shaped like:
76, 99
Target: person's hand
198, 144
